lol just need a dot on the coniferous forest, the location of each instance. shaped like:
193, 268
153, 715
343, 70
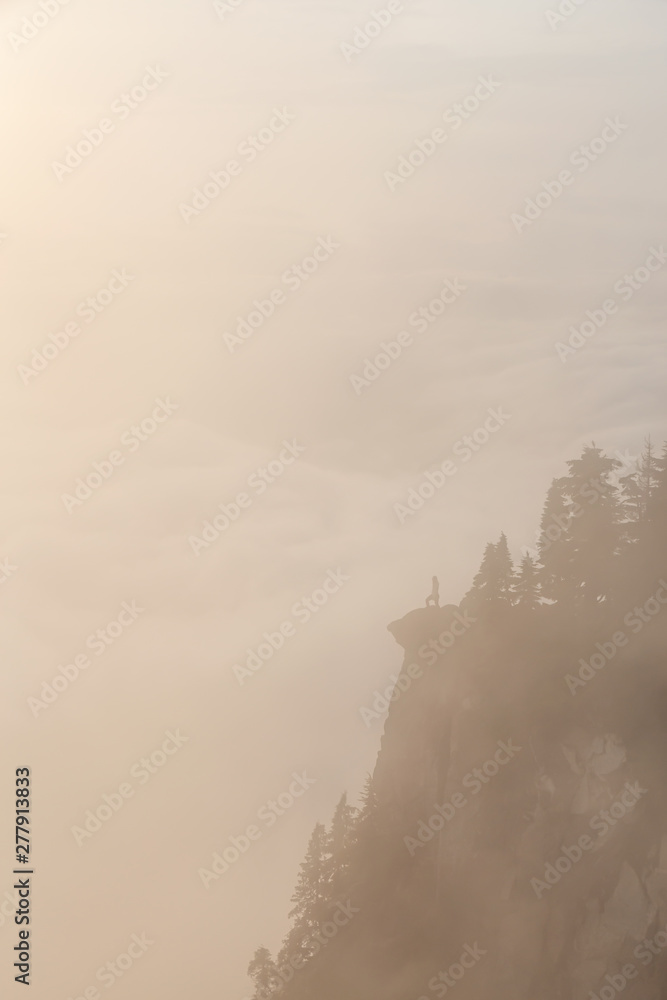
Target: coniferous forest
512, 839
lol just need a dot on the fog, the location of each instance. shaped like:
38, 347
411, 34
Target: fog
167, 285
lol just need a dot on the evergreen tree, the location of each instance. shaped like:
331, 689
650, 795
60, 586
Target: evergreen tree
262, 970
637, 493
504, 570
311, 901
650, 555
657, 504
364, 835
495, 577
479, 591
598, 529
367, 849
340, 842
594, 533
555, 545
311, 897
297, 949
324, 880
367, 814
527, 585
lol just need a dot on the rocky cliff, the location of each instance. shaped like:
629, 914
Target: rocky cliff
526, 811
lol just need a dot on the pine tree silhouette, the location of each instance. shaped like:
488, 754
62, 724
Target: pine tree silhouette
311, 896
555, 545
492, 585
367, 814
365, 844
340, 842
481, 590
657, 503
637, 494
504, 570
323, 881
595, 528
262, 970
527, 585
602, 546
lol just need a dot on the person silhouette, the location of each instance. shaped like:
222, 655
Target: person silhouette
434, 597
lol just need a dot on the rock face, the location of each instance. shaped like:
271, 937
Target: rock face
409, 767
513, 839
528, 823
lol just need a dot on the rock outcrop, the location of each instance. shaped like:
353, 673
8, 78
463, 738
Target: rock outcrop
532, 822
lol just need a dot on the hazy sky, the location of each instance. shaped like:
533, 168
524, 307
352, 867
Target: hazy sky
320, 182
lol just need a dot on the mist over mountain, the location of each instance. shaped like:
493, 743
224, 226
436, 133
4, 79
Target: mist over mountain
512, 839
